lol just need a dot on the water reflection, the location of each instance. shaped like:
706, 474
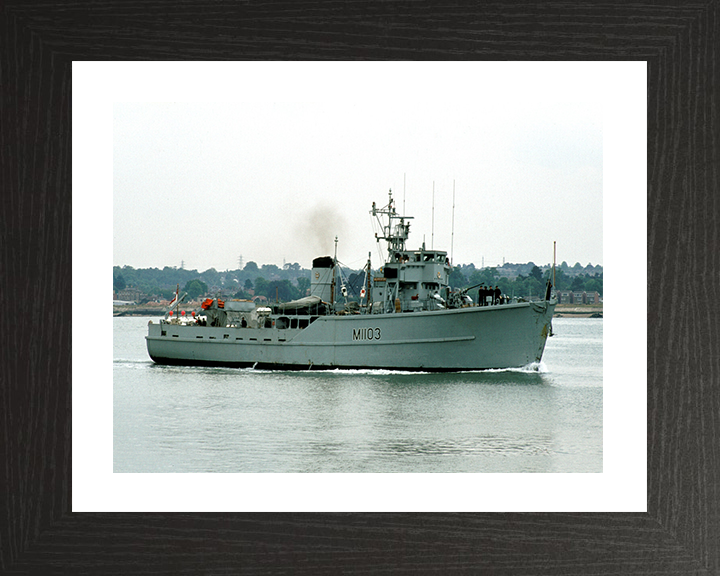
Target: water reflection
376, 421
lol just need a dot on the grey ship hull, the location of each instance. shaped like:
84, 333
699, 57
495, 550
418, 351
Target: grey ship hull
472, 338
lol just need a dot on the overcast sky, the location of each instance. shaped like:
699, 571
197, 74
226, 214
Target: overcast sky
299, 153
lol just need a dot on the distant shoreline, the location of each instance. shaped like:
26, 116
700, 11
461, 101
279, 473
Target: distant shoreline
561, 310
578, 311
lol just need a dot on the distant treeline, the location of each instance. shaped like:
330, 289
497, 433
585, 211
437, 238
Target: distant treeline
529, 279
292, 281
287, 282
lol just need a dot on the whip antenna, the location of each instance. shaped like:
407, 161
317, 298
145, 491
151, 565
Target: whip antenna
452, 234
432, 228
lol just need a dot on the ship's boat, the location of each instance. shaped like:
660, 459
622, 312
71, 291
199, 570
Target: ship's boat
407, 318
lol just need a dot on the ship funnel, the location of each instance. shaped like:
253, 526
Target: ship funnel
321, 278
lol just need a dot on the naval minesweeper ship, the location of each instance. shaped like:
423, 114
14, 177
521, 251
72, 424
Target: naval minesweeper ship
407, 318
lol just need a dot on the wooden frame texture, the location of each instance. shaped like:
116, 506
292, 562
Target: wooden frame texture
681, 530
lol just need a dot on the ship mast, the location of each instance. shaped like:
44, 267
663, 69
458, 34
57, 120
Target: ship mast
334, 275
396, 231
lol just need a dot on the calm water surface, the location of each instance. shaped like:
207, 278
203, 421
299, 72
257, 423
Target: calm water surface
194, 419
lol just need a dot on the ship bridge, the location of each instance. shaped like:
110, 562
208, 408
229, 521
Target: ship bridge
413, 281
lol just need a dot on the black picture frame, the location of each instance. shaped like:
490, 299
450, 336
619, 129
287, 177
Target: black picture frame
681, 530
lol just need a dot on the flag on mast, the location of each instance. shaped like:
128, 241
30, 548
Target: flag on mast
177, 295
362, 290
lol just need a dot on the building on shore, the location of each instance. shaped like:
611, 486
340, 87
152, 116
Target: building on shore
570, 297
